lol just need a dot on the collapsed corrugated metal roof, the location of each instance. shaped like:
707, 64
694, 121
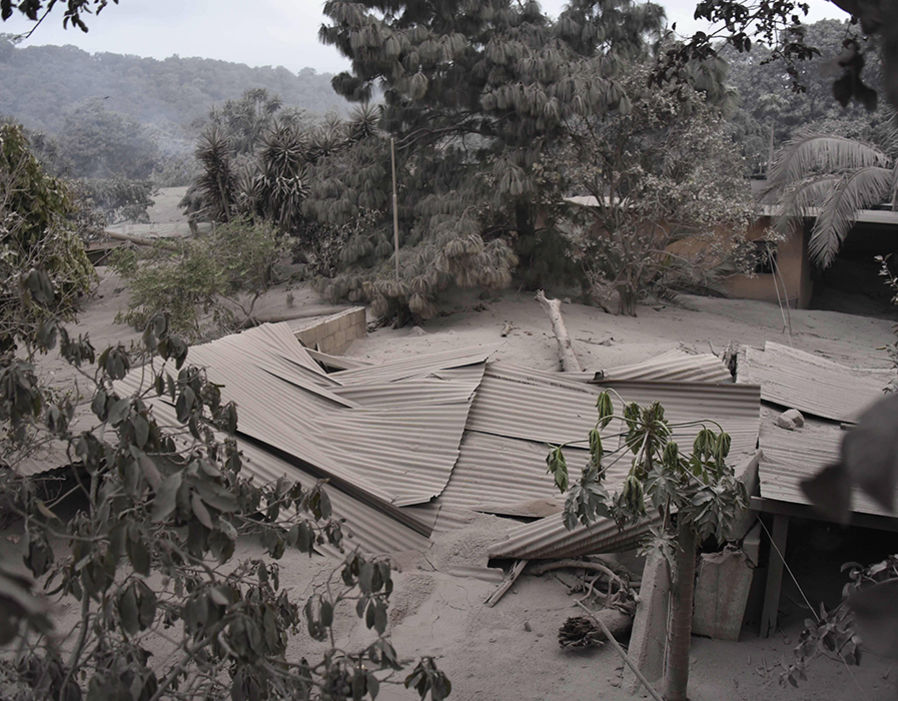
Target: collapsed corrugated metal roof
421, 443
396, 445
673, 365
811, 384
791, 456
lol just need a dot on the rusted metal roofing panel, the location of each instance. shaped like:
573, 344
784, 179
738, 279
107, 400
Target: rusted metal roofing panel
791, 456
811, 384
672, 366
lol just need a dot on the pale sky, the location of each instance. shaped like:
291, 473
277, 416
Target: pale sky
259, 33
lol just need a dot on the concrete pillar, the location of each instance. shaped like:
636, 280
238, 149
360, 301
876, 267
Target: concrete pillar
649, 637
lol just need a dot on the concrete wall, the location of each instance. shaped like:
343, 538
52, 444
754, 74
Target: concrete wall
794, 268
334, 333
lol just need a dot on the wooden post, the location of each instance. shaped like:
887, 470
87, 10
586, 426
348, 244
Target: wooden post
774, 574
395, 206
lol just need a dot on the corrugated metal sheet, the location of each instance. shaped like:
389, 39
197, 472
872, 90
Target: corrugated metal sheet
337, 362
370, 528
376, 529
399, 449
548, 539
505, 476
415, 365
811, 384
672, 366
791, 456
527, 407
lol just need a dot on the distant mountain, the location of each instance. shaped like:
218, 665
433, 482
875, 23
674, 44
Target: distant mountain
39, 84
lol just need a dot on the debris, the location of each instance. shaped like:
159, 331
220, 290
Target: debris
620, 651
528, 627
579, 631
417, 331
506, 329
566, 357
790, 419
507, 583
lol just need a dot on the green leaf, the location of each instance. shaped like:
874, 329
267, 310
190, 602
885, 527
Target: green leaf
165, 501
557, 467
200, 510
141, 430
138, 554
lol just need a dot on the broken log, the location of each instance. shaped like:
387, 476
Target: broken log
566, 357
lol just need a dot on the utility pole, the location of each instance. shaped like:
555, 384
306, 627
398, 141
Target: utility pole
395, 207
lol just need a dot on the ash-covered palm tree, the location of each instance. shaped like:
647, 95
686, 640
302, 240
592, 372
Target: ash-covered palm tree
831, 178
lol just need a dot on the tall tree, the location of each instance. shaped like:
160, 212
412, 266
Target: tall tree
665, 169
475, 93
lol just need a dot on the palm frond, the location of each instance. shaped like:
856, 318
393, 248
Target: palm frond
813, 154
856, 190
894, 189
802, 200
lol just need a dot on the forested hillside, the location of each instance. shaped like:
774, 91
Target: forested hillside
39, 85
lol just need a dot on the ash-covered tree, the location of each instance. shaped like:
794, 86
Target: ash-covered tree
41, 227
661, 170
474, 94
770, 109
743, 24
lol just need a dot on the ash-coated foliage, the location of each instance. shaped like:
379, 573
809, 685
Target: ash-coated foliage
141, 541
664, 169
207, 285
41, 227
693, 497
475, 95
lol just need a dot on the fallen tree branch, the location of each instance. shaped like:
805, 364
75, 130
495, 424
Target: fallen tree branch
620, 651
582, 564
507, 583
566, 356
141, 241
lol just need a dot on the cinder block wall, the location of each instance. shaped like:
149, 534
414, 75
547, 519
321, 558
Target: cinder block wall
334, 333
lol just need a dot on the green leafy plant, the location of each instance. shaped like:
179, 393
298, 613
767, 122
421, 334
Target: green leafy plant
660, 171
41, 228
695, 497
208, 284
142, 540
840, 632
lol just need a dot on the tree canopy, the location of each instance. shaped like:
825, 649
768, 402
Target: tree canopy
475, 94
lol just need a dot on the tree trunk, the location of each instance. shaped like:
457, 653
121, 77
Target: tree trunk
566, 357
679, 631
